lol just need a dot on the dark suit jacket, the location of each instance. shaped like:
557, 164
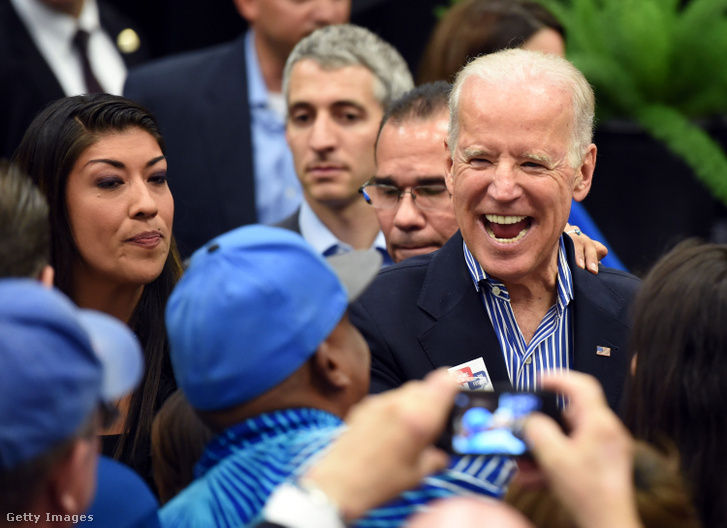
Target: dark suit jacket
201, 101
425, 313
292, 223
27, 84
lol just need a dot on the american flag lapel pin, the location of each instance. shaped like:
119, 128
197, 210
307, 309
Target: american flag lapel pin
603, 351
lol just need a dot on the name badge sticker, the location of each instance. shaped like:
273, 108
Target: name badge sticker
473, 375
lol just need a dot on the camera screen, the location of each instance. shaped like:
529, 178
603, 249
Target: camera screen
485, 423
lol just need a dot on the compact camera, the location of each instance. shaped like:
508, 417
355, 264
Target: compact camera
490, 423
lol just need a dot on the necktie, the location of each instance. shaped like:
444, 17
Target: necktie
80, 41
333, 250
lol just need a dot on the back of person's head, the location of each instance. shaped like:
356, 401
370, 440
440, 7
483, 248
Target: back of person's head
662, 500
679, 389
471, 28
335, 47
516, 67
662, 496
178, 438
24, 227
52, 144
425, 102
255, 306
60, 365
469, 512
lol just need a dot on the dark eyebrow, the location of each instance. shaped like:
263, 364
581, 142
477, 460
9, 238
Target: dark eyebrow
431, 180
111, 162
347, 103
119, 165
156, 160
336, 105
421, 180
384, 180
295, 105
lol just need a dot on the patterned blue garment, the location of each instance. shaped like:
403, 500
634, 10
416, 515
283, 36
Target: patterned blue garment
240, 468
550, 348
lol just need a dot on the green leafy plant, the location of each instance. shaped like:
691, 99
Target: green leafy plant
659, 63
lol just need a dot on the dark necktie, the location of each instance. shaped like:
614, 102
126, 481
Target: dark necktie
333, 250
80, 41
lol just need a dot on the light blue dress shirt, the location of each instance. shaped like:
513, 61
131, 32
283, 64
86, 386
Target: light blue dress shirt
324, 242
277, 189
550, 348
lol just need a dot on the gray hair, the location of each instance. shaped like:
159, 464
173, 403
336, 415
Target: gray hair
335, 47
517, 66
25, 230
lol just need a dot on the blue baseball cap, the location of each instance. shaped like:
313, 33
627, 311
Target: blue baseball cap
57, 363
252, 307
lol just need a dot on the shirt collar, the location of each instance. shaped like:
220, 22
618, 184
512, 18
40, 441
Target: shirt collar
44, 20
321, 238
564, 283
89, 18
257, 91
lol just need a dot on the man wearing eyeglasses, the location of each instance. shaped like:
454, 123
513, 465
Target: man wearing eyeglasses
408, 192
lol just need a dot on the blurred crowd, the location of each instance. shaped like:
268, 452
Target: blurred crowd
243, 285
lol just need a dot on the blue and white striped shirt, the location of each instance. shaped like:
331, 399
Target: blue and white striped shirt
550, 348
241, 467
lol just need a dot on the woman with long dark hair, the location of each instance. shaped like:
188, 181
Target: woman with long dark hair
678, 396
99, 160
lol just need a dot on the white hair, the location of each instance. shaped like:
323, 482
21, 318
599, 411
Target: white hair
518, 66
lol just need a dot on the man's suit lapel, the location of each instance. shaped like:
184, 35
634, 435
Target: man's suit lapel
598, 312
25, 55
26, 81
460, 329
228, 130
292, 222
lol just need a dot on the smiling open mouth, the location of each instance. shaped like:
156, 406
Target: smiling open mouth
507, 229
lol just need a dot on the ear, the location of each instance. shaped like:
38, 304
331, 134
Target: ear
448, 163
329, 366
584, 176
248, 9
46, 276
72, 482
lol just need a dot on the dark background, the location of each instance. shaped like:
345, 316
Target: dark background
174, 26
643, 199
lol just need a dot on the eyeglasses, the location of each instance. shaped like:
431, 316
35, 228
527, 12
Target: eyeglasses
427, 196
